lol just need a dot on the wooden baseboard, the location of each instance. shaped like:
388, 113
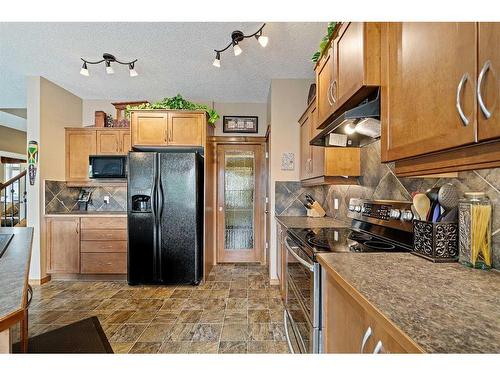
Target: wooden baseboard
41, 281
73, 277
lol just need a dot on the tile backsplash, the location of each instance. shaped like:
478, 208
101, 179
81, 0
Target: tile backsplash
60, 198
378, 181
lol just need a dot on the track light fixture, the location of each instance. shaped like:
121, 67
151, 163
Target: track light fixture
108, 59
236, 37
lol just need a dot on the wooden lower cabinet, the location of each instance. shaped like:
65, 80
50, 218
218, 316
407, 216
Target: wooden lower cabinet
352, 325
87, 245
107, 263
63, 244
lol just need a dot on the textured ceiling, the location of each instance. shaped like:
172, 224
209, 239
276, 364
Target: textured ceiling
173, 58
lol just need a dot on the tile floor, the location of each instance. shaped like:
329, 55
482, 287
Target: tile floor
235, 311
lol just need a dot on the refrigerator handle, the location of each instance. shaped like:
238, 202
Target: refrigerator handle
153, 192
161, 199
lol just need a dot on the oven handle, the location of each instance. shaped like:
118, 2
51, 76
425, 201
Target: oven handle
309, 266
287, 335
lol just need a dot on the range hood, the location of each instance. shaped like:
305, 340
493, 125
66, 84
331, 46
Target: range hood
356, 127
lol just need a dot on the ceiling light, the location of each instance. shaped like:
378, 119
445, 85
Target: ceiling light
108, 59
236, 37
216, 62
263, 40
237, 50
131, 70
109, 68
84, 71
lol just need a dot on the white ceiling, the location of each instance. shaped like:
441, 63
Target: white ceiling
173, 58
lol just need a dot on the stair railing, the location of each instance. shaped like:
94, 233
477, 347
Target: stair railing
13, 202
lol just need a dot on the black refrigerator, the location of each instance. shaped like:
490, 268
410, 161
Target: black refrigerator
165, 216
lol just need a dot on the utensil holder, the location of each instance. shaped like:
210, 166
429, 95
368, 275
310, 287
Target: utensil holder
437, 242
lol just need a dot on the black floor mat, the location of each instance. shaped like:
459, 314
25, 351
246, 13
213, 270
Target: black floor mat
85, 336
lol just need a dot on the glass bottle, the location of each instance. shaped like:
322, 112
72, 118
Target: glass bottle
474, 221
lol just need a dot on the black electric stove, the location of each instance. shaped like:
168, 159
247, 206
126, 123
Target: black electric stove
377, 226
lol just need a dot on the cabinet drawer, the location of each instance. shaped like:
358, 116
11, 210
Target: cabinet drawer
104, 222
104, 263
104, 235
103, 246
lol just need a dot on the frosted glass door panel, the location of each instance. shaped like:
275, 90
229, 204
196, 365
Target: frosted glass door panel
239, 200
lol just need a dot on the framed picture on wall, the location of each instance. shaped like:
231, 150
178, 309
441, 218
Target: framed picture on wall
240, 124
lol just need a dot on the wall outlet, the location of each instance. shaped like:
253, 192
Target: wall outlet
335, 203
106, 199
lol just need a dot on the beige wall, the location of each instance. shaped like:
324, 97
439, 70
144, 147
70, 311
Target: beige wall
50, 109
242, 109
12, 140
288, 100
224, 109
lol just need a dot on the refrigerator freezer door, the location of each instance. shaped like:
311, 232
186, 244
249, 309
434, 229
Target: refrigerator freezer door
181, 217
142, 222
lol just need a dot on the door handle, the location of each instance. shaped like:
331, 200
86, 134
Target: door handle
366, 336
378, 348
458, 104
328, 92
482, 105
220, 208
334, 83
287, 335
309, 266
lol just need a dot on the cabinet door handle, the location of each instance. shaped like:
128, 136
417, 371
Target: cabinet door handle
378, 348
458, 104
77, 228
328, 92
366, 336
334, 84
166, 135
482, 105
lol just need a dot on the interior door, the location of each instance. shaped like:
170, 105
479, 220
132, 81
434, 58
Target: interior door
241, 202
489, 79
429, 66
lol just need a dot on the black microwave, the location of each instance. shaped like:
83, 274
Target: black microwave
107, 166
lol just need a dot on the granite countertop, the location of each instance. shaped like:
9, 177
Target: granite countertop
89, 213
310, 222
443, 307
14, 270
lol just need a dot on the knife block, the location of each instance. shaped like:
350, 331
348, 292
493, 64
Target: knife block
316, 210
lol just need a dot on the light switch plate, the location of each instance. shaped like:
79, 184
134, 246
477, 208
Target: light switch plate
335, 203
106, 199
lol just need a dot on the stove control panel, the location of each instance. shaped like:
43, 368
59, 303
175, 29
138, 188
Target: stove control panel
396, 214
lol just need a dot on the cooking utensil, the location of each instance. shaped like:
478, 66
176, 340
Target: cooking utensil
432, 194
447, 198
415, 213
310, 199
436, 213
450, 217
422, 204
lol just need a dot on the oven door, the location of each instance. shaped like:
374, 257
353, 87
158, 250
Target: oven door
301, 301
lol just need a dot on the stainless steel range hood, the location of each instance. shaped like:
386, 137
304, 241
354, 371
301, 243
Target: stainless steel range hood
356, 127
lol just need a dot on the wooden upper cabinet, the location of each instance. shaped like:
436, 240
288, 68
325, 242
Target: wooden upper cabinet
125, 141
324, 81
489, 78
168, 128
305, 148
185, 129
80, 144
63, 244
357, 62
427, 67
149, 128
108, 142
325, 165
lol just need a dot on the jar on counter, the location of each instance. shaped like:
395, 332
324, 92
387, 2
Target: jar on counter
474, 221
